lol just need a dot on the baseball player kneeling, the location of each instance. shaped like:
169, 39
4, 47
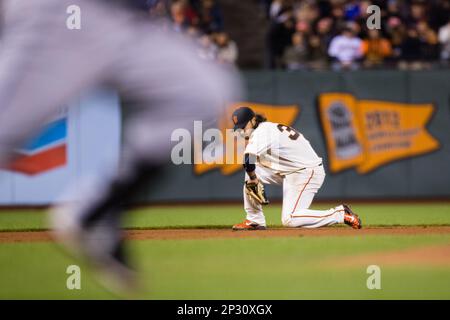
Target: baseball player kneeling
278, 154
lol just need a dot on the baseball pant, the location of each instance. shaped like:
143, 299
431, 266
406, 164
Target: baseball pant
299, 189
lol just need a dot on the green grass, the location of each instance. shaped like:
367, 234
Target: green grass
227, 215
236, 268
268, 268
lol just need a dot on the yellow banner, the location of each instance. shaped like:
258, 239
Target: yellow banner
367, 134
339, 117
285, 114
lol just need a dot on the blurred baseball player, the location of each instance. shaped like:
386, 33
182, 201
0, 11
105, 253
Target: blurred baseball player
44, 64
278, 154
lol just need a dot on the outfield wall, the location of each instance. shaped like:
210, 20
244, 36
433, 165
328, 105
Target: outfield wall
425, 175
381, 134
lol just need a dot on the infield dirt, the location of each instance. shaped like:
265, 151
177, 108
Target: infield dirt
186, 234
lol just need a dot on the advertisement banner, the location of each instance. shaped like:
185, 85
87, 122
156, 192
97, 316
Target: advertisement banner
66, 151
45, 152
367, 134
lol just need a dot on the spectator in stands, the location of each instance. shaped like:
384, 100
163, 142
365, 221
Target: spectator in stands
404, 24
338, 15
417, 13
200, 20
351, 10
281, 29
375, 49
392, 9
345, 49
444, 39
325, 32
295, 57
276, 8
306, 12
410, 50
227, 51
178, 16
429, 42
318, 57
303, 27
407, 25
396, 31
211, 19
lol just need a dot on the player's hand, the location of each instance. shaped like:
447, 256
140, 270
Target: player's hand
255, 189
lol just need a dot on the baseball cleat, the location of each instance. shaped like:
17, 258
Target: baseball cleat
248, 225
351, 218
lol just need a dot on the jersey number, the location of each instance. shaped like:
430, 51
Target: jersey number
293, 134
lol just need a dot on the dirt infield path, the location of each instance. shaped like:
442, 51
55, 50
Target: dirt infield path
186, 234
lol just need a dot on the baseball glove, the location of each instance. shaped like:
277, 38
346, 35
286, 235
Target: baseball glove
256, 192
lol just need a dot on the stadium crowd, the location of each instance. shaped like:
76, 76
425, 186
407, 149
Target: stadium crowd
202, 21
320, 34
315, 34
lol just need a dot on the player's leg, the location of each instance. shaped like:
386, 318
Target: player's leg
299, 190
165, 87
254, 210
44, 65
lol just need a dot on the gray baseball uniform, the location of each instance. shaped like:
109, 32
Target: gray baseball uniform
44, 64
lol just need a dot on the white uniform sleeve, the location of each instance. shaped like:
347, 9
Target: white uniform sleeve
259, 142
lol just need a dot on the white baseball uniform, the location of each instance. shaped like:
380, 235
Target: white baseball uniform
285, 157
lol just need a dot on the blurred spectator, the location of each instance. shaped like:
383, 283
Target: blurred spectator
375, 49
199, 20
227, 51
325, 31
281, 29
295, 57
309, 33
178, 16
411, 48
408, 35
346, 50
397, 33
444, 39
429, 42
318, 56
210, 16
351, 10
392, 9
417, 13
338, 14
276, 8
